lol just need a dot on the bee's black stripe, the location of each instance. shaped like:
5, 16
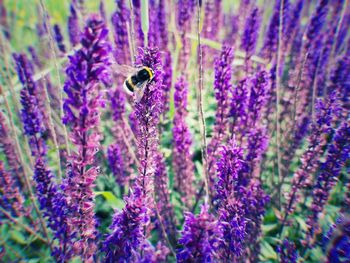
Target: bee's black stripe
130, 85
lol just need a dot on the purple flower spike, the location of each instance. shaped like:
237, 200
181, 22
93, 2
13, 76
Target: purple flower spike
73, 26
288, 252
316, 23
147, 112
338, 154
87, 70
326, 113
116, 162
8, 147
127, 237
200, 238
182, 141
52, 202
120, 19
222, 86
59, 38
11, 198
250, 33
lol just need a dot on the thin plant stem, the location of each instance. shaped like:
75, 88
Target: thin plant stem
200, 105
162, 227
52, 129
53, 51
25, 227
26, 178
340, 22
278, 96
295, 100
132, 31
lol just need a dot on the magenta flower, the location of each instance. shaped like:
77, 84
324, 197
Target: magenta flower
338, 154
87, 70
327, 113
182, 141
200, 238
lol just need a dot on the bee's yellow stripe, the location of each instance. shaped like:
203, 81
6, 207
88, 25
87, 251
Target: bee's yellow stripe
149, 72
131, 84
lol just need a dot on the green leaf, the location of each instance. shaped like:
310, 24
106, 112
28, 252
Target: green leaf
18, 237
301, 222
111, 199
267, 251
268, 228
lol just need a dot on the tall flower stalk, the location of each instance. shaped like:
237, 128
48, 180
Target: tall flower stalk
86, 73
182, 141
128, 237
51, 200
327, 113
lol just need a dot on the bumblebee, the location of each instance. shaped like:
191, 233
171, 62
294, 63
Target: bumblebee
137, 79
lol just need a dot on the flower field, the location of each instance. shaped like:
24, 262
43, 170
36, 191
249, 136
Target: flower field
175, 131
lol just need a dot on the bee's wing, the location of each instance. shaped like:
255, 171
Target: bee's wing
124, 70
140, 89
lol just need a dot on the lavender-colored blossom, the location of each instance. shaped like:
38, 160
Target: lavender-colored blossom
213, 19
120, 19
338, 154
125, 242
52, 202
138, 28
260, 87
316, 23
271, 37
153, 33
87, 69
241, 204
116, 163
30, 113
326, 113
54, 206
256, 146
34, 57
185, 10
182, 141
59, 38
230, 208
118, 101
8, 147
73, 26
127, 239
250, 33
287, 252
162, 26
234, 224
168, 74
340, 79
4, 20
147, 112
222, 86
339, 249
102, 10
238, 107
294, 21
228, 171
200, 237
11, 198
